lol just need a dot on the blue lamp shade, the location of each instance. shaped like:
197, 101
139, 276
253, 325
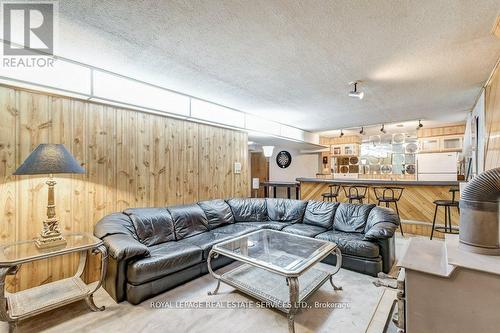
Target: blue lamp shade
49, 159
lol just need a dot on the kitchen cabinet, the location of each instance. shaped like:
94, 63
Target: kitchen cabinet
452, 143
345, 150
336, 150
441, 144
429, 145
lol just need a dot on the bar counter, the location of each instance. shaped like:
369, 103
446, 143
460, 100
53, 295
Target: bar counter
416, 206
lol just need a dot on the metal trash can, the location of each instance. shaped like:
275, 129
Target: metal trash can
479, 214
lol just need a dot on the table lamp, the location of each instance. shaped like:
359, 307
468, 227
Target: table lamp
50, 159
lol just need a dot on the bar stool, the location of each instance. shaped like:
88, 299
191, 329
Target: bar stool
355, 193
333, 194
387, 195
447, 204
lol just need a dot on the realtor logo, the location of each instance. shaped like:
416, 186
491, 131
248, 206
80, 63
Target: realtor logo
28, 28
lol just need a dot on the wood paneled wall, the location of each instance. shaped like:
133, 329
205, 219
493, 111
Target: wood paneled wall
492, 121
132, 159
259, 169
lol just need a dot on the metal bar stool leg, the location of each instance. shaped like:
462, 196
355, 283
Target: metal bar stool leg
288, 194
449, 218
445, 218
434, 221
400, 224
274, 191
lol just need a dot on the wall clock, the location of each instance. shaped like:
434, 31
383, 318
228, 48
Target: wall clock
283, 159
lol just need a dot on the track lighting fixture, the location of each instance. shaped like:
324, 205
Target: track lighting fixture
382, 129
420, 125
362, 132
341, 133
355, 93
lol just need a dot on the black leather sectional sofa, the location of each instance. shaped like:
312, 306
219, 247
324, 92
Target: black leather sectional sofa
152, 250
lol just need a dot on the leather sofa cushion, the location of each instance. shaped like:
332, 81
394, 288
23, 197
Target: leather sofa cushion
114, 224
152, 225
286, 210
164, 259
351, 217
274, 225
381, 223
236, 229
320, 213
304, 229
218, 212
248, 210
189, 220
351, 243
208, 239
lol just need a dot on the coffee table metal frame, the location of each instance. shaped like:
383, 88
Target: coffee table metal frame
291, 276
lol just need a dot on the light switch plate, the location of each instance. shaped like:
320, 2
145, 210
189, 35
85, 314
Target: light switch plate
237, 167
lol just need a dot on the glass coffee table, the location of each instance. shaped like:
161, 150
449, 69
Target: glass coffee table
278, 268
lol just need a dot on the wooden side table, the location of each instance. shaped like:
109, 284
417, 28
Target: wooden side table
33, 301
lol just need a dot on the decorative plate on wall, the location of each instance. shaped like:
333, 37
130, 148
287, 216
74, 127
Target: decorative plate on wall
411, 148
283, 159
410, 169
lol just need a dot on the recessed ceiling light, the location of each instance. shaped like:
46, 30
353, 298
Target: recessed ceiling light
400, 125
251, 143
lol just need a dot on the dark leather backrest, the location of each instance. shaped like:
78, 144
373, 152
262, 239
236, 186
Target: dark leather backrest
115, 224
218, 212
382, 215
320, 213
286, 210
248, 209
189, 220
152, 225
351, 217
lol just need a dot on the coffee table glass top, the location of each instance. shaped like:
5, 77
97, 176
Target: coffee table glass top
24, 251
277, 251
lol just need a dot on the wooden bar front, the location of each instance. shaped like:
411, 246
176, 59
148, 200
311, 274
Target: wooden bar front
416, 205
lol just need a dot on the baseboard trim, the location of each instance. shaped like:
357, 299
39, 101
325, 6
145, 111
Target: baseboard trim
428, 224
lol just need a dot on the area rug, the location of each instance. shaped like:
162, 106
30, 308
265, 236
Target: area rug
188, 308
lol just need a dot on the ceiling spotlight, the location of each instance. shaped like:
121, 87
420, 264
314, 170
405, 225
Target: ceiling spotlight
420, 125
382, 129
362, 132
341, 133
355, 93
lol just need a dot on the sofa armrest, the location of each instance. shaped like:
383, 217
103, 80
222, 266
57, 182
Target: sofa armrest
381, 224
124, 247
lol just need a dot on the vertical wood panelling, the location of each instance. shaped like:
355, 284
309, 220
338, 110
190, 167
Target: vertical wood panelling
32, 191
8, 116
190, 158
492, 121
132, 159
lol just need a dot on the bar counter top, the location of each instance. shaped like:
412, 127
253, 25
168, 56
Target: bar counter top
379, 182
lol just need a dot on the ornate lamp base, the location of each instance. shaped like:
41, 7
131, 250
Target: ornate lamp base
50, 235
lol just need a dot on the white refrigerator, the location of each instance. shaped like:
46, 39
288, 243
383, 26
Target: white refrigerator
437, 166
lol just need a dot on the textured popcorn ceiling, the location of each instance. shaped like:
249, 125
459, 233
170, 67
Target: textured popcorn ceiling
291, 61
